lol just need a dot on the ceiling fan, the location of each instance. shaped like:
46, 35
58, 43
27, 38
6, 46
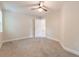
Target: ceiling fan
41, 7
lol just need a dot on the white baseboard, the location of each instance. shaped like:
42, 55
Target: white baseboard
16, 39
52, 38
20, 39
69, 50
64, 47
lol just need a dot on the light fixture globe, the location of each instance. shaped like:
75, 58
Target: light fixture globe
40, 9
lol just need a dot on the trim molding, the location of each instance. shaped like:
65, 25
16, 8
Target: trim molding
69, 50
51, 38
64, 47
16, 39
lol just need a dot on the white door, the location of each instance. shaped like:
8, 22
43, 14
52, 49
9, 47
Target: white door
40, 30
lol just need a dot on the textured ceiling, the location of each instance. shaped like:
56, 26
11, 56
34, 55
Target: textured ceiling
25, 7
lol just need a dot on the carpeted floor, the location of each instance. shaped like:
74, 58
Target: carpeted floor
34, 48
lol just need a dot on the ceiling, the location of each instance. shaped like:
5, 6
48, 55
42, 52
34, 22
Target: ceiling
25, 7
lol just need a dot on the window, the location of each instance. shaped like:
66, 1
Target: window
0, 21
40, 27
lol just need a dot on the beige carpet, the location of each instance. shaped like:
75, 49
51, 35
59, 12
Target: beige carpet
34, 48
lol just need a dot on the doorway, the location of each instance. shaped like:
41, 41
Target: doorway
40, 27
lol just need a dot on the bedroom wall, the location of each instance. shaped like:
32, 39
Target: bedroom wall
53, 25
17, 25
70, 26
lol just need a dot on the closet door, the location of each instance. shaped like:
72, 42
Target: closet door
40, 30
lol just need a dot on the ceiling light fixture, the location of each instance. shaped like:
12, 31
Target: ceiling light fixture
40, 9
41, 4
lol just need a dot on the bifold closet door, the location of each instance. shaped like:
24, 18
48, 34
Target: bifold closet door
40, 30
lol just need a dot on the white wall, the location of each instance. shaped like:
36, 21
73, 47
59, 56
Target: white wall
70, 26
17, 25
64, 26
53, 25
